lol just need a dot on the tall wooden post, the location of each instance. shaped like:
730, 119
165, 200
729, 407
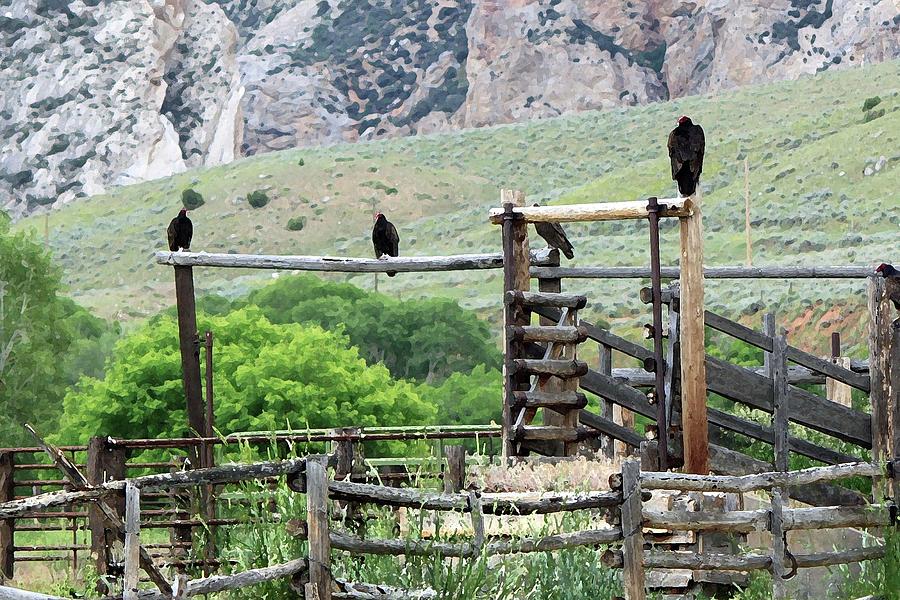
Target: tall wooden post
769, 327
632, 532
209, 492
779, 499
693, 352
780, 401
879, 367
132, 541
516, 277
662, 417
605, 366
105, 462
319, 585
189, 343
7, 526
455, 475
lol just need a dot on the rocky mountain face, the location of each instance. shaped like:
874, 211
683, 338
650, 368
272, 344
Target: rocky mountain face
107, 92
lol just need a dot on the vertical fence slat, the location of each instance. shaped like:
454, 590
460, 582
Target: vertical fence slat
132, 541
477, 519
778, 549
879, 325
633, 545
455, 475
105, 462
768, 325
7, 526
780, 401
605, 366
317, 519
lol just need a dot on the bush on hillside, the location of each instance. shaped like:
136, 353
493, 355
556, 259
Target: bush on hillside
296, 223
257, 199
871, 103
192, 199
873, 114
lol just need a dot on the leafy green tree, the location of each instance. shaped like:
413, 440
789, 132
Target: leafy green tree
267, 376
45, 340
474, 398
425, 340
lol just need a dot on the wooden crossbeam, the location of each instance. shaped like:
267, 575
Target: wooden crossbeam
80, 482
599, 211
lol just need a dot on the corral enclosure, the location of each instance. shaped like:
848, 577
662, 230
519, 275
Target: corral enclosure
545, 378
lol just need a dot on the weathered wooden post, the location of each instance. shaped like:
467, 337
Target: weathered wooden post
516, 277
455, 475
838, 391
189, 343
780, 401
769, 328
475, 509
552, 385
7, 526
605, 366
105, 462
319, 586
779, 497
879, 371
693, 353
662, 417
632, 523
894, 362
132, 541
209, 491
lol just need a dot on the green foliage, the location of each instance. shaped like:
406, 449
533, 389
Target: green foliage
45, 340
301, 162
467, 398
192, 199
296, 223
426, 340
758, 588
268, 376
871, 103
874, 577
873, 114
257, 199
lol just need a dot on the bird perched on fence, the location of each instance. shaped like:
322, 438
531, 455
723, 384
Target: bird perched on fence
385, 239
687, 145
555, 237
180, 232
892, 274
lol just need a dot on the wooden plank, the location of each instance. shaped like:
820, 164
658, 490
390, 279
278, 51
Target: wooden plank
879, 342
633, 545
605, 367
780, 402
563, 400
546, 297
599, 211
105, 462
743, 521
769, 333
554, 502
747, 483
612, 429
475, 510
779, 541
455, 475
836, 390
826, 272
132, 541
549, 333
7, 526
894, 400
318, 533
556, 367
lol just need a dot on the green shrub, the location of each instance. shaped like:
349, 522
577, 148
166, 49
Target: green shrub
301, 162
871, 103
257, 199
296, 224
192, 199
873, 114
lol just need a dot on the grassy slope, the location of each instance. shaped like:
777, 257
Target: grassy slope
805, 140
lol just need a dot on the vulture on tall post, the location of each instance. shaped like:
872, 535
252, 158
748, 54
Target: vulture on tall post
385, 239
687, 145
180, 232
892, 275
555, 237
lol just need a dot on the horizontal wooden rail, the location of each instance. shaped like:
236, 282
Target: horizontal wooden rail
749, 483
411, 264
599, 211
847, 272
748, 521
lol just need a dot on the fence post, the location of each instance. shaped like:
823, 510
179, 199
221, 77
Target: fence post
550, 416
780, 401
778, 544
477, 521
673, 369
694, 421
319, 585
190, 351
455, 475
633, 544
894, 401
516, 277
208, 498
769, 327
132, 541
879, 364
105, 462
605, 366
7, 526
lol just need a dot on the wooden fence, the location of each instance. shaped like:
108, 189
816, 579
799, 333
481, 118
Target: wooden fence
622, 540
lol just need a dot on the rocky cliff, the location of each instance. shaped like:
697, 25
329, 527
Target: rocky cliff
107, 92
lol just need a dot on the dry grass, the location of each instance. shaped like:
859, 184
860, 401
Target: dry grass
567, 475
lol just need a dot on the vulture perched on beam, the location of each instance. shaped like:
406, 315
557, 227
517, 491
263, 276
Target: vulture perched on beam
892, 287
385, 239
180, 231
555, 237
687, 145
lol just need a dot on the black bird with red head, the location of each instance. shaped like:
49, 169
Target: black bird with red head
180, 232
892, 275
385, 239
687, 145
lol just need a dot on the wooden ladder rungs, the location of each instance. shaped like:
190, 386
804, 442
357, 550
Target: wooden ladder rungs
575, 301
549, 333
567, 400
550, 433
562, 368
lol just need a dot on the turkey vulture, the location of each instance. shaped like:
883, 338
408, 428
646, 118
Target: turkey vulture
686, 147
555, 237
892, 274
180, 231
385, 239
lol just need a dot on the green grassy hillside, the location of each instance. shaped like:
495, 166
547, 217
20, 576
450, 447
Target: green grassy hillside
807, 143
